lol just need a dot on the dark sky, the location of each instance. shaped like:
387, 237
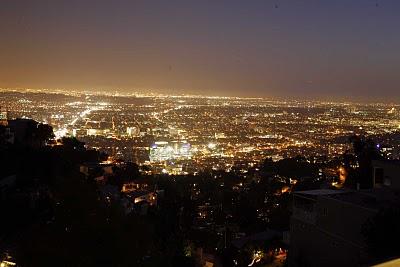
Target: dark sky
308, 49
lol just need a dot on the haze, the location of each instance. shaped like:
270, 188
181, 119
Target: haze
305, 49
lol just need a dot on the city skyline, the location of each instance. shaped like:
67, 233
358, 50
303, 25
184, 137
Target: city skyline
189, 132
326, 50
159, 93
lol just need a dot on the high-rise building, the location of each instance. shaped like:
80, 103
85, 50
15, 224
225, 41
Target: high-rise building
132, 131
3, 116
163, 151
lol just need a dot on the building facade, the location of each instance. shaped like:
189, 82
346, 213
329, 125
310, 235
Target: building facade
326, 227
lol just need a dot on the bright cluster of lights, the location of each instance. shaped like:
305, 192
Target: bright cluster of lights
163, 151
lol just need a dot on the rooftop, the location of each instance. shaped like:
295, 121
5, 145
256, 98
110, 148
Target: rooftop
320, 192
372, 198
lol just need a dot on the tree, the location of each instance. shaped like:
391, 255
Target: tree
72, 143
131, 171
44, 133
3, 136
365, 151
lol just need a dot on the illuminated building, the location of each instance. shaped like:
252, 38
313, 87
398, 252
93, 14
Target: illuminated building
163, 151
143, 196
95, 132
219, 135
3, 116
132, 131
79, 132
131, 187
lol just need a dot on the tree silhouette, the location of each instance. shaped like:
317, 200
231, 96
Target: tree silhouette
365, 150
44, 133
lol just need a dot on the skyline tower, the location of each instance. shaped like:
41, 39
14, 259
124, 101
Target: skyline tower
3, 116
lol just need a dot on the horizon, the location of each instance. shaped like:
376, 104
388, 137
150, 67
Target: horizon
137, 93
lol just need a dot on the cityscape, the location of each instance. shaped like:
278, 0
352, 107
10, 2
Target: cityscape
188, 134
199, 133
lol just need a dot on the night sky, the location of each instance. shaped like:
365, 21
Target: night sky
328, 49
